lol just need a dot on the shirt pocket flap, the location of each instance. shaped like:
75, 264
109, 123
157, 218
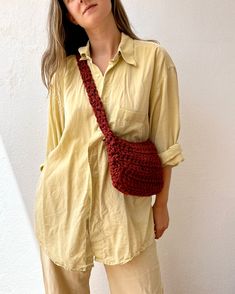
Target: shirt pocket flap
131, 115
131, 125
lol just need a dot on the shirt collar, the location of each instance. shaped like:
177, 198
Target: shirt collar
126, 49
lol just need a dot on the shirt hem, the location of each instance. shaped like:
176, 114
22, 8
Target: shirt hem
61, 264
125, 260
96, 258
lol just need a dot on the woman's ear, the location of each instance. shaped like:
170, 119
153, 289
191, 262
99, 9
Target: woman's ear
70, 18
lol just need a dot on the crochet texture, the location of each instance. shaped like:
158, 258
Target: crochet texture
135, 167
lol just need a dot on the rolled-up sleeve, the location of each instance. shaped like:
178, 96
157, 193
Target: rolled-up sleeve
55, 116
164, 110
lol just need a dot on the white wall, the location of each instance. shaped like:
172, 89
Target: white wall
197, 251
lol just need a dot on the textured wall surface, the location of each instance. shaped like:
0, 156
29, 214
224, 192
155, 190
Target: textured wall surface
197, 251
22, 126
20, 265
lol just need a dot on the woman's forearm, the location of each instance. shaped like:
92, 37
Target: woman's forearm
162, 197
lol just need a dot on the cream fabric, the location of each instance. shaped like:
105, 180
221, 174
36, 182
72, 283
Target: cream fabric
141, 275
79, 215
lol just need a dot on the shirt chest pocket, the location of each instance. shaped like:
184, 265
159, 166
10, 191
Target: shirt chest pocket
131, 125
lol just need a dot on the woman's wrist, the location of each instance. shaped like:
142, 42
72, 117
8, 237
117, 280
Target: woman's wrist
162, 197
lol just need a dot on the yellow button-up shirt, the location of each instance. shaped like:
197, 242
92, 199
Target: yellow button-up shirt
79, 216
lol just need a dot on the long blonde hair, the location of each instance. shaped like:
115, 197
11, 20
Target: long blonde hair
64, 37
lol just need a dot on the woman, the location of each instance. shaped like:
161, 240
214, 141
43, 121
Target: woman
79, 216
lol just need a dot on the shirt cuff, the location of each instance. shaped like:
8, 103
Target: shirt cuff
172, 156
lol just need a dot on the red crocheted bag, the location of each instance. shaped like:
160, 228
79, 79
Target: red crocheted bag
135, 167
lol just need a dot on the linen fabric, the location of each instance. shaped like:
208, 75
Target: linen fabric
141, 275
79, 216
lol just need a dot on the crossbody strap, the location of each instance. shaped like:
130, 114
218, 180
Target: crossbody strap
94, 97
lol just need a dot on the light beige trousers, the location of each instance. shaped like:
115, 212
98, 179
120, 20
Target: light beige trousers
141, 275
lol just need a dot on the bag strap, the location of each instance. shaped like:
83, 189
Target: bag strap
94, 97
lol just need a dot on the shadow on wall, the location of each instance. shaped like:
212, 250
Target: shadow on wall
19, 259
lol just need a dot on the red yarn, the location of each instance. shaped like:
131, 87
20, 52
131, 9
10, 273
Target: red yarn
135, 167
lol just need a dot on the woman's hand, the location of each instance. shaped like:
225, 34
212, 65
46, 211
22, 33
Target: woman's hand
161, 219
160, 210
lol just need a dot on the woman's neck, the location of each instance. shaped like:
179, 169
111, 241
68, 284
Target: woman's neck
104, 40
